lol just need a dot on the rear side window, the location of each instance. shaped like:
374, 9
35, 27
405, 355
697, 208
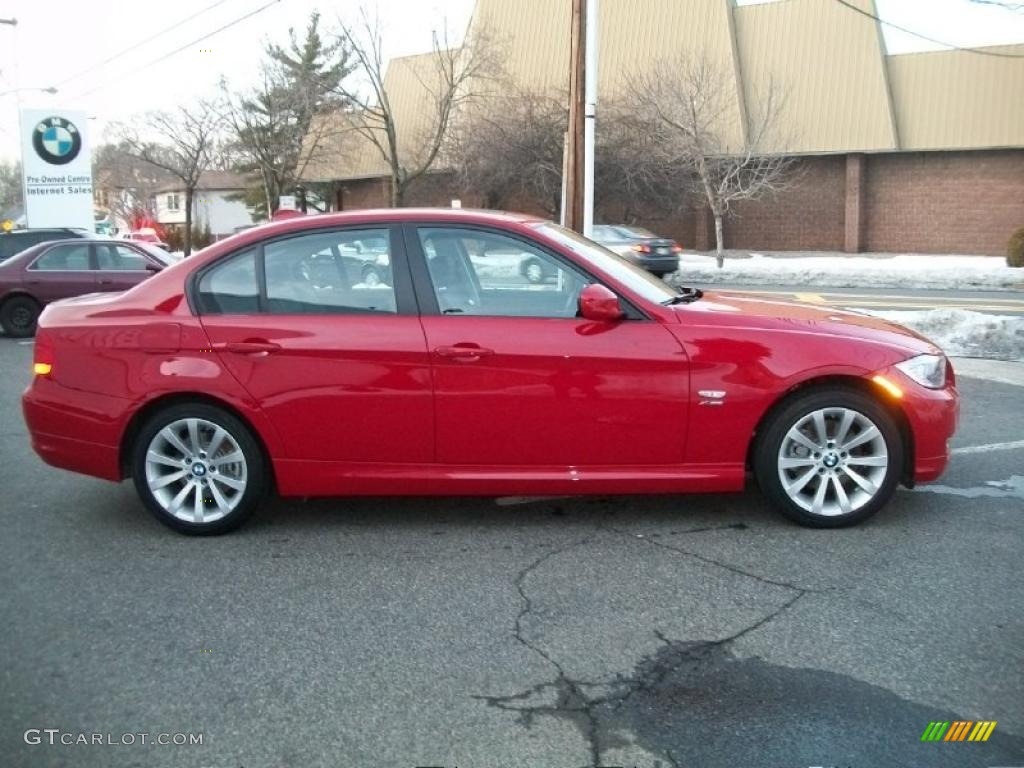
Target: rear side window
342, 272
231, 287
64, 258
119, 258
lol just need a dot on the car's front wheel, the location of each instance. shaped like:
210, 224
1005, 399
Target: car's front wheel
829, 458
18, 316
198, 469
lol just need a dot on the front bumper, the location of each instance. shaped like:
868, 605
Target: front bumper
933, 416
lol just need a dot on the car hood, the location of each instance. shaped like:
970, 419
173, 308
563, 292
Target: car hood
733, 310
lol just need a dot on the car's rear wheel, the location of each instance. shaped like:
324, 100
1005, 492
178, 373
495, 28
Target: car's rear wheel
829, 458
198, 469
18, 316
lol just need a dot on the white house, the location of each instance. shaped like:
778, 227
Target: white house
212, 204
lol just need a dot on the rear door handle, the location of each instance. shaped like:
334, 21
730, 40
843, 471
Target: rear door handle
465, 352
252, 347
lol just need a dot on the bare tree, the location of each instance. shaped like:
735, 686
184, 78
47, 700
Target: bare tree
1010, 6
270, 122
631, 174
129, 183
450, 81
184, 143
511, 147
10, 185
689, 106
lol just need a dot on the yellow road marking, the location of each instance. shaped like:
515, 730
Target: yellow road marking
810, 298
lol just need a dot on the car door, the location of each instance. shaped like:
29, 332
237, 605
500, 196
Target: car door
339, 366
519, 379
61, 271
120, 267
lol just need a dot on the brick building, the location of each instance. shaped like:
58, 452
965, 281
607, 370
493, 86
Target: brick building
918, 152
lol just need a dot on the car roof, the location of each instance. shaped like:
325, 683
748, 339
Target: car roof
368, 216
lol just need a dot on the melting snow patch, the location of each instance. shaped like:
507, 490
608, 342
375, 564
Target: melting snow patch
960, 332
820, 270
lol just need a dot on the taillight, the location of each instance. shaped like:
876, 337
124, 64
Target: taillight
677, 248
641, 248
42, 358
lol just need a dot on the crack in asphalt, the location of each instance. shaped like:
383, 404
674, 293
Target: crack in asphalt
711, 561
572, 700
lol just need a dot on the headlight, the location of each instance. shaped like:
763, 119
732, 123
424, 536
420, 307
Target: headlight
927, 370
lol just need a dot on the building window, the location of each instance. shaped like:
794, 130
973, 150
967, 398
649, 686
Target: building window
173, 203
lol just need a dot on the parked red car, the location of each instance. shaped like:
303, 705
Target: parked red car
61, 268
265, 362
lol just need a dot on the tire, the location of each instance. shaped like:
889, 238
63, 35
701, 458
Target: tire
859, 469
18, 316
231, 491
533, 271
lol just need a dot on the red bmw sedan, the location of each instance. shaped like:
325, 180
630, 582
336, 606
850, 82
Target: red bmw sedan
265, 362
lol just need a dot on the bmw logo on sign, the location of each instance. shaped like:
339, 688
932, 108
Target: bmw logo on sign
56, 140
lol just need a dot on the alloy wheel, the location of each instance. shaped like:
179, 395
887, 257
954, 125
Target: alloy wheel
196, 470
833, 461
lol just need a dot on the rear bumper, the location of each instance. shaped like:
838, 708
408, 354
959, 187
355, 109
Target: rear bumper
75, 430
656, 263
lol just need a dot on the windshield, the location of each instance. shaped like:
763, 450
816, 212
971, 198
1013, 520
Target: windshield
636, 279
157, 253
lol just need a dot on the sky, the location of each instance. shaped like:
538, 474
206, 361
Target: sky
64, 43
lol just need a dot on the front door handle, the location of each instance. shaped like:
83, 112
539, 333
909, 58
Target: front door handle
464, 352
261, 348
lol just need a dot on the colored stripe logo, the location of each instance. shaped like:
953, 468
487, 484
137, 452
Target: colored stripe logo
958, 730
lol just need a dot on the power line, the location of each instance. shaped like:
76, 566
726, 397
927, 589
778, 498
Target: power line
141, 43
978, 51
168, 55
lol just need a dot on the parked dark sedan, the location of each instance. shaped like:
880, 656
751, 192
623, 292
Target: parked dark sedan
18, 240
56, 270
658, 255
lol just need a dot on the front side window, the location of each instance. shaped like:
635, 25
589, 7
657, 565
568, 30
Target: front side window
345, 271
231, 287
475, 272
64, 258
119, 258
638, 280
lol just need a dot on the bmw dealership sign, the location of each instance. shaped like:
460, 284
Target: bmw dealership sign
57, 168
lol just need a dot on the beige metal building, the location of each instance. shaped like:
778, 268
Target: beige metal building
918, 152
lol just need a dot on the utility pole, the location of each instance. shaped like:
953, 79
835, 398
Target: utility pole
578, 182
574, 162
589, 116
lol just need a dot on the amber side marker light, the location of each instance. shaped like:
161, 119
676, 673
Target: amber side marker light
888, 386
41, 369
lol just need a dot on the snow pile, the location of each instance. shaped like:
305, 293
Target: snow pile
841, 271
962, 333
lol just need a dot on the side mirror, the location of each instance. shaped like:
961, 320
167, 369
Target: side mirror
599, 304
150, 267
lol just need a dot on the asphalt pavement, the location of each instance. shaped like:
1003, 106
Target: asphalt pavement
641, 631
